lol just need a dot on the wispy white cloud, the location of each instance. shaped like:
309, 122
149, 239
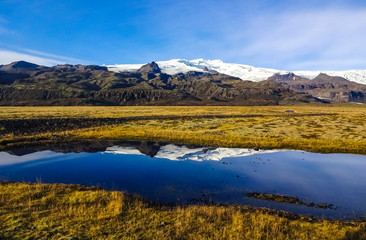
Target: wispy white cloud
53, 56
8, 56
323, 39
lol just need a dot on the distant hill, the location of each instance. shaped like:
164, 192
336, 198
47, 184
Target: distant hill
336, 89
23, 83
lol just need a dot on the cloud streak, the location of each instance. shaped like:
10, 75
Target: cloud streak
53, 56
8, 56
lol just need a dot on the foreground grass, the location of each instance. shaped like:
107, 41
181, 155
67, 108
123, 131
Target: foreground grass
344, 132
56, 211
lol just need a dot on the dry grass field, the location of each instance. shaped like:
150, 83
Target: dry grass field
345, 131
123, 111
57, 211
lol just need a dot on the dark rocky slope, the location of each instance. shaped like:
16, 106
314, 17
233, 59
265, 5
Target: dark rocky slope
23, 83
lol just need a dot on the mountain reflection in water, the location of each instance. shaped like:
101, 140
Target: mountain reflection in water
196, 174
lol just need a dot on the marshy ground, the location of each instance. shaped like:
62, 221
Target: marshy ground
288, 200
58, 211
331, 128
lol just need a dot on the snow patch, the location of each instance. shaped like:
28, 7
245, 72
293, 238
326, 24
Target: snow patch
124, 67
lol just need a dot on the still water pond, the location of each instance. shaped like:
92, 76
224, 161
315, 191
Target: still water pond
188, 175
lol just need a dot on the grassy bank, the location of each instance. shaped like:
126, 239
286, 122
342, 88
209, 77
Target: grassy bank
56, 211
343, 132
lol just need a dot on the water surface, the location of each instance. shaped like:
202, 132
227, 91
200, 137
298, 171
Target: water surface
187, 175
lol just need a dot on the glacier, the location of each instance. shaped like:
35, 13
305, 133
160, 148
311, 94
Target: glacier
244, 72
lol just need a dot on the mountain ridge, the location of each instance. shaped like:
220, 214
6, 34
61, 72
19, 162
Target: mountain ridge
242, 71
148, 85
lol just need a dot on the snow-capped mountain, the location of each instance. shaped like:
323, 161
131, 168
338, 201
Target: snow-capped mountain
244, 72
182, 153
175, 66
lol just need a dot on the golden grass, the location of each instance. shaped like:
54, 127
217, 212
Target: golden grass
344, 132
129, 111
56, 211
316, 133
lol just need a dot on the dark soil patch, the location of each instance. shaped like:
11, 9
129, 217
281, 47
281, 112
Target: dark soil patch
288, 200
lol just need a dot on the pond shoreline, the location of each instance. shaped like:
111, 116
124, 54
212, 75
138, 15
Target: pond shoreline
224, 174
58, 210
245, 208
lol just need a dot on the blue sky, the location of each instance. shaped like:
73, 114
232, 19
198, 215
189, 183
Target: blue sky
283, 34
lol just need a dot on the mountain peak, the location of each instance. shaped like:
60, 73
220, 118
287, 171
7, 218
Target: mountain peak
325, 78
287, 77
152, 67
21, 64
323, 75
